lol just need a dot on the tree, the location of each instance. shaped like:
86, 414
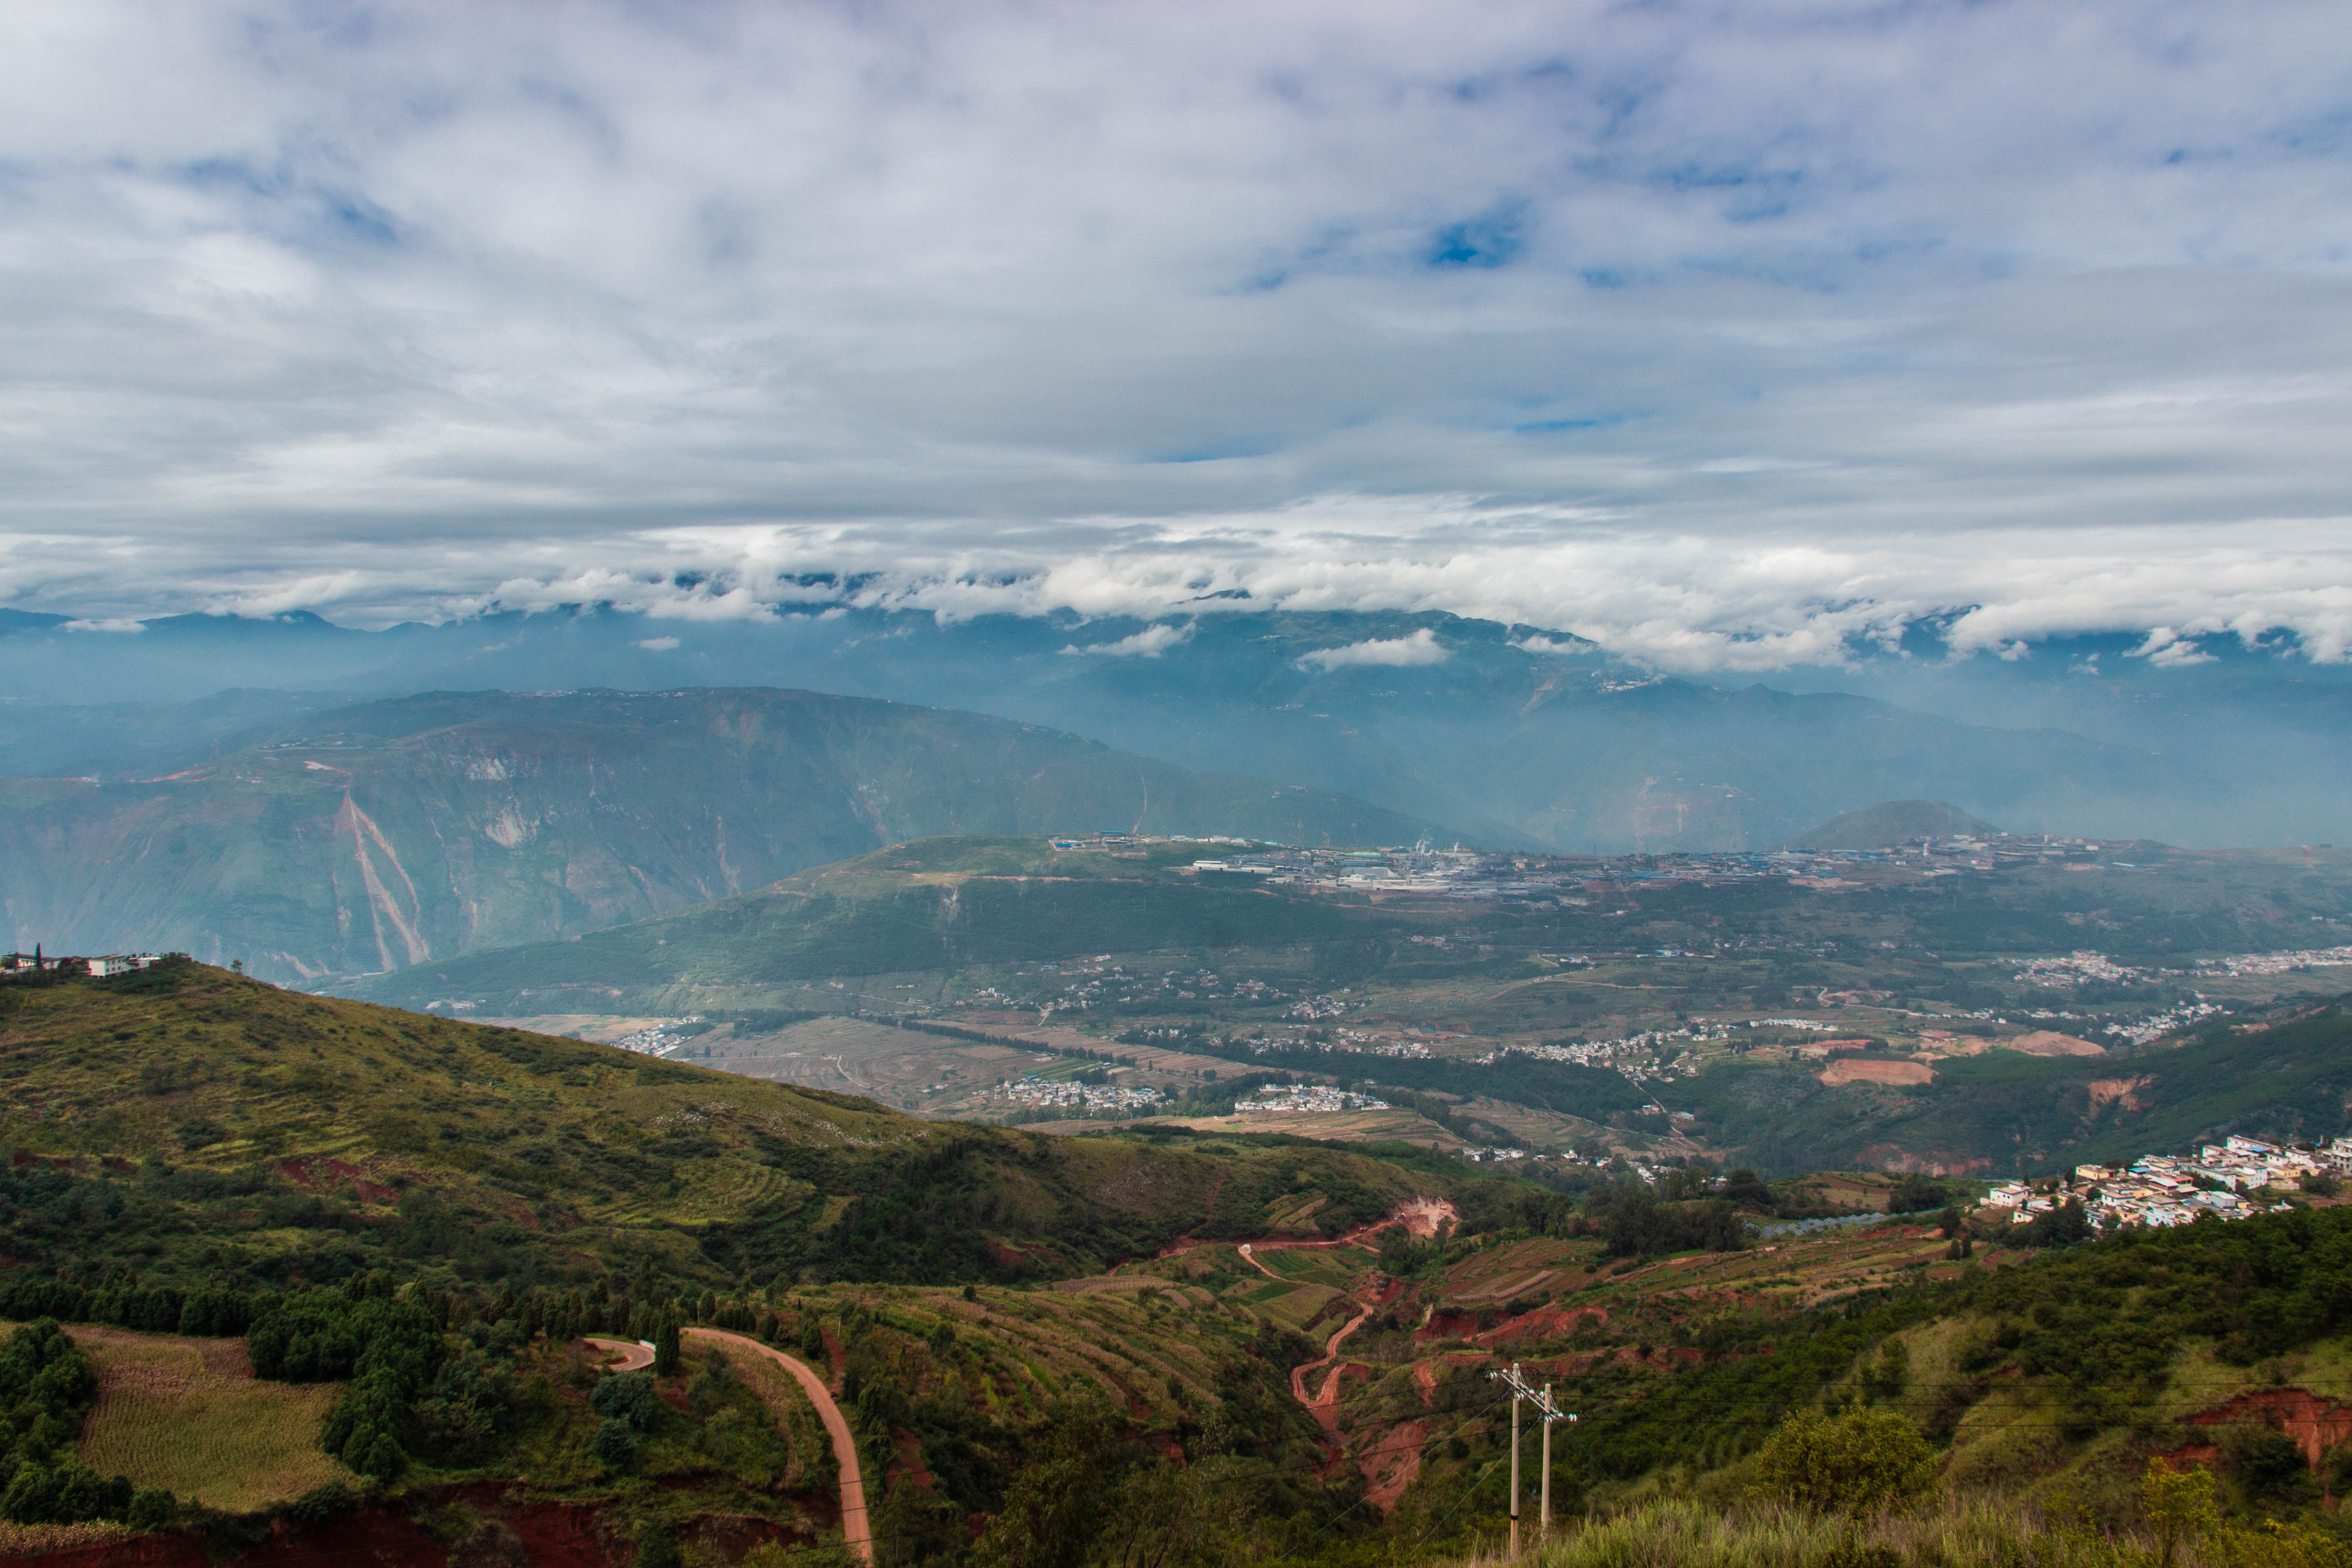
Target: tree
657, 1546
615, 1447
1863, 1462
665, 1349
1745, 1189
2180, 1507
1915, 1194
1049, 1516
2062, 1227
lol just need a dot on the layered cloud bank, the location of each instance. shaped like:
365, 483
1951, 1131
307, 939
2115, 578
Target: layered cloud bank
1724, 335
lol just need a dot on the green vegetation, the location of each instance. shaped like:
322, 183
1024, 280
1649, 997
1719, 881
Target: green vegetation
186, 1416
46, 1387
208, 1131
1893, 822
1860, 1462
2029, 1114
413, 1222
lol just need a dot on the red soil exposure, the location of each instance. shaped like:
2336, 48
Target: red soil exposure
560, 1535
1448, 1326
906, 1462
1425, 1372
374, 1536
1392, 1464
1326, 1405
1540, 1325
2315, 1422
312, 1175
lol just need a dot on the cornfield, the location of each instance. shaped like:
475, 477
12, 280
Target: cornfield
188, 1415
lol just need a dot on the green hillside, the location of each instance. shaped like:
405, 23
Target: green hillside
392, 833
2007, 1113
940, 903
226, 1128
1893, 822
419, 1219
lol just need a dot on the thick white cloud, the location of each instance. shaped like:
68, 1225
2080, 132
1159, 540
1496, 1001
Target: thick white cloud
1421, 647
1150, 643
1719, 332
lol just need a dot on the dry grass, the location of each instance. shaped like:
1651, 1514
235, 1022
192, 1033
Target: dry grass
36, 1540
1685, 1534
187, 1414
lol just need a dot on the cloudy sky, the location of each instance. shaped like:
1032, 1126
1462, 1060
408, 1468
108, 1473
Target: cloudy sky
1721, 332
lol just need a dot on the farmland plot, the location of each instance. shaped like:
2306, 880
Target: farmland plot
189, 1414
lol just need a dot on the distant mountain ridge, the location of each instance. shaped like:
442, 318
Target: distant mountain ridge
1513, 735
369, 837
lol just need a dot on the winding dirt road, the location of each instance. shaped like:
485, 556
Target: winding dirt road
1326, 1404
854, 1530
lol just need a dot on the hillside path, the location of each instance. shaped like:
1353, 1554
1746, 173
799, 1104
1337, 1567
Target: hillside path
1326, 1405
634, 1357
854, 1528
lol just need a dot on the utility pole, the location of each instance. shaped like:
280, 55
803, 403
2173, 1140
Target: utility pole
1541, 1399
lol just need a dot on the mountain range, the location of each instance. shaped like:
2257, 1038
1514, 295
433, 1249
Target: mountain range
1509, 736
381, 834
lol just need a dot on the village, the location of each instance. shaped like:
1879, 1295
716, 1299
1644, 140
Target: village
2228, 1180
1579, 880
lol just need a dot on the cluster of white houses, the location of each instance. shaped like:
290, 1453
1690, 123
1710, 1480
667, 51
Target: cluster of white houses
2228, 1180
98, 967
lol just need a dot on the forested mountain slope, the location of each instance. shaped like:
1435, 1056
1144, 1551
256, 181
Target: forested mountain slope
371, 838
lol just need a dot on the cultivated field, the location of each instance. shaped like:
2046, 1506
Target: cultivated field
187, 1414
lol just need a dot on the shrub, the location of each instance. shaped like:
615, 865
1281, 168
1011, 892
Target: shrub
1862, 1462
616, 1444
628, 1397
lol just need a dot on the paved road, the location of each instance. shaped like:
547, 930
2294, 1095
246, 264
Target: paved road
854, 1527
634, 1357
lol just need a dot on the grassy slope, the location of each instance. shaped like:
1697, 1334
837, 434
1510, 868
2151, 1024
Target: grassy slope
221, 1124
932, 904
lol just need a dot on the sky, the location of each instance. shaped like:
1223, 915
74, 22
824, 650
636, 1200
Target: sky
1733, 336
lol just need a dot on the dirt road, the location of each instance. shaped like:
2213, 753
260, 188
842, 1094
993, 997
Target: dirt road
1326, 1405
854, 1528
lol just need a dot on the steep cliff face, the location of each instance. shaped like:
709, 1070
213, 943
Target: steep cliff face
380, 836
